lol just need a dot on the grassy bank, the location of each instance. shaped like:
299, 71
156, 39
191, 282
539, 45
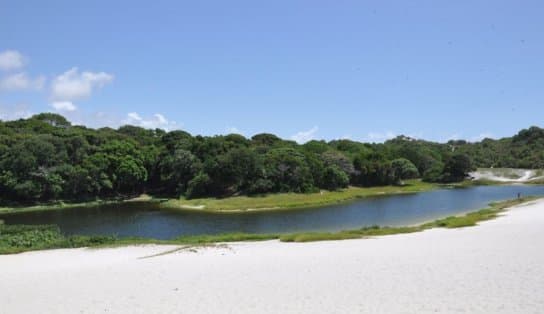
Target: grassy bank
467, 220
20, 238
243, 203
68, 205
295, 200
276, 201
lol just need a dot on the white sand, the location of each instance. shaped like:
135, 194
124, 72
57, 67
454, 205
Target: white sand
497, 267
498, 175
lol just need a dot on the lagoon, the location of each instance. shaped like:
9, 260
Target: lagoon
144, 219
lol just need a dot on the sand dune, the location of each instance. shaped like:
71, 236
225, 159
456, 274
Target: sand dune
497, 267
507, 175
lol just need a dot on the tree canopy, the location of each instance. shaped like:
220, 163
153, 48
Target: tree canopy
45, 158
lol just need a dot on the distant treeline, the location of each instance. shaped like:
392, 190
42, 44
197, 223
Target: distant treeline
46, 158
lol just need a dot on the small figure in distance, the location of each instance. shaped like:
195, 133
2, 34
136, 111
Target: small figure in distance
519, 195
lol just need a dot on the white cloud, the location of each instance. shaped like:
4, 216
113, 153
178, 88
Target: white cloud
459, 136
381, 136
234, 130
11, 60
481, 137
64, 106
14, 112
73, 85
453, 137
154, 122
305, 136
21, 81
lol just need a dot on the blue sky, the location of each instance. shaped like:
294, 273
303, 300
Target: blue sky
367, 70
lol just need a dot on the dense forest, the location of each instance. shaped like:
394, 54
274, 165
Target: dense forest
47, 158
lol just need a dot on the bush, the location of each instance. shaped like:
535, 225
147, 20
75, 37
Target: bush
434, 173
404, 169
80, 241
261, 186
334, 178
22, 237
198, 186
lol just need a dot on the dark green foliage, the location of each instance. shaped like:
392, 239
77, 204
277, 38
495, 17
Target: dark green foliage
338, 159
177, 169
235, 170
457, 167
434, 173
20, 238
373, 170
288, 169
524, 150
29, 237
265, 139
130, 174
316, 147
404, 169
334, 178
52, 119
261, 186
45, 158
198, 186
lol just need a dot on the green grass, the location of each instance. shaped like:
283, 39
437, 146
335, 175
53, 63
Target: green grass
244, 203
470, 219
277, 201
473, 218
294, 200
21, 238
71, 205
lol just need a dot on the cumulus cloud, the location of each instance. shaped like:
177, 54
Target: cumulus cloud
74, 85
381, 136
21, 81
14, 112
453, 137
11, 60
157, 121
234, 130
481, 137
64, 106
305, 136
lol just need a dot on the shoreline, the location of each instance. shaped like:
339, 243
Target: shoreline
62, 205
268, 202
297, 201
241, 204
35, 238
499, 265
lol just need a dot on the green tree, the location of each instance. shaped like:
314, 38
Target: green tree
287, 168
177, 169
404, 169
130, 174
335, 158
334, 178
198, 186
457, 168
434, 173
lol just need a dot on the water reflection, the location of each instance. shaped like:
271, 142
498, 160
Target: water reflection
146, 220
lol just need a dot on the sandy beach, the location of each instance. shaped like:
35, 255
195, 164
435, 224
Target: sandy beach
497, 267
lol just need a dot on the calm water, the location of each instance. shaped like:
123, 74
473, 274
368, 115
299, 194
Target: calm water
147, 220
